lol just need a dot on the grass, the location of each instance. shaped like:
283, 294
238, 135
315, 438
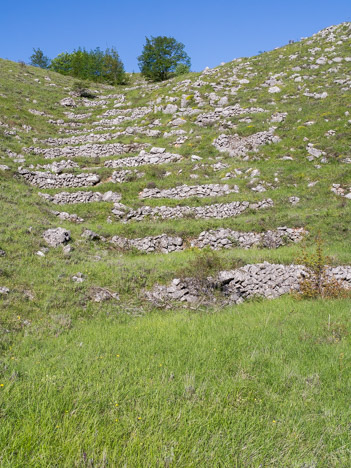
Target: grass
261, 384
266, 383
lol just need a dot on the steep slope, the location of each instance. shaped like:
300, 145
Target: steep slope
222, 159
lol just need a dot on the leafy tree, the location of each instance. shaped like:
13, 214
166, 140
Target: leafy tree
62, 64
161, 56
38, 59
113, 68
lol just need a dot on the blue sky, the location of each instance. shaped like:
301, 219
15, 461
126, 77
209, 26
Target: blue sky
213, 31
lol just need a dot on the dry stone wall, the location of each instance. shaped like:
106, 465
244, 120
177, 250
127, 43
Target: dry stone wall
66, 198
186, 191
233, 287
49, 180
87, 151
218, 211
145, 158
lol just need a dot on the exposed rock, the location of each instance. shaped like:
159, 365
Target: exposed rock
102, 295
162, 243
87, 151
56, 237
186, 191
125, 176
4, 291
232, 111
49, 180
144, 158
233, 287
240, 146
218, 211
227, 239
68, 102
294, 200
63, 198
68, 216
78, 277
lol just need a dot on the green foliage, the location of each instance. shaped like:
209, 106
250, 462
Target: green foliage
80, 88
317, 282
95, 65
38, 59
181, 69
160, 58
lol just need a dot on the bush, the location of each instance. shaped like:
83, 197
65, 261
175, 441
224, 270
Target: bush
181, 69
80, 89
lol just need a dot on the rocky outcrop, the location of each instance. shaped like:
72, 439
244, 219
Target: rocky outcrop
64, 198
50, 180
56, 237
218, 211
186, 191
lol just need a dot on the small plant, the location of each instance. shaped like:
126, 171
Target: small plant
80, 90
204, 264
317, 282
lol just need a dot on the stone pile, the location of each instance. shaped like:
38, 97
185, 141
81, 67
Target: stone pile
155, 156
186, 191
240, 146
64, 198
87, 151
162, 243
218, 211
49, 180
233, 287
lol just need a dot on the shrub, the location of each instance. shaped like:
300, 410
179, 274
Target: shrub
317, 282
80, 89
181, 69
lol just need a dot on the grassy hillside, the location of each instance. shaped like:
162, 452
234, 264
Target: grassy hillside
259, 384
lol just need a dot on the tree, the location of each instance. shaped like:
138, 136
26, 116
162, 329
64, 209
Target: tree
96, 65
160, 58
38, 59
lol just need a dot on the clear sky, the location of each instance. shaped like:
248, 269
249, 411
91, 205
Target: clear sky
213, 31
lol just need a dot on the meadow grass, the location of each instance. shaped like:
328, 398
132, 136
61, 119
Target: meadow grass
260, 384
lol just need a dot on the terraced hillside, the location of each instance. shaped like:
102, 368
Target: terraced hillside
196, 192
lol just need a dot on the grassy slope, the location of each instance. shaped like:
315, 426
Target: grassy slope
282, 353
